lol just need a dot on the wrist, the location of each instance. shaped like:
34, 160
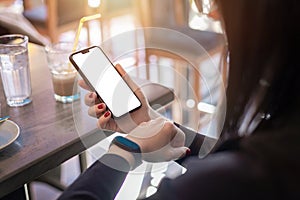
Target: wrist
143, 134
114, 149
127, 149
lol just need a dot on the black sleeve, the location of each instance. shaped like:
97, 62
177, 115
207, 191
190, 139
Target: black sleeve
194, 141
223, 175
102, 180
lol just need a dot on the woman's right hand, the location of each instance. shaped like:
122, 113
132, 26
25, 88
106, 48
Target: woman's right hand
126, 123
159, 140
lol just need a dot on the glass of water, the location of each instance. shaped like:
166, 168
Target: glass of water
14, 69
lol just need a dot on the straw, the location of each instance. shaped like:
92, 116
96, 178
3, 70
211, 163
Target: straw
80, 25
81, 22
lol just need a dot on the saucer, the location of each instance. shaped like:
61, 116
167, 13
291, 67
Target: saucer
9, 132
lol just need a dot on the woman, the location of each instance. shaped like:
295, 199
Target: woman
258, 155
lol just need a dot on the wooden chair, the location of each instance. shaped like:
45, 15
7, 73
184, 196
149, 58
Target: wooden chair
55, 16
111, 9
174, 15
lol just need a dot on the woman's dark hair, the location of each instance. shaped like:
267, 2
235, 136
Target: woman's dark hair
263, 42
263, 71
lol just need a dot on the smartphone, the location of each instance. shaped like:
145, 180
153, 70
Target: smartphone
101, 75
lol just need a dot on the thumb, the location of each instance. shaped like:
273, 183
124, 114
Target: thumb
126, 77
179, 152
120, 69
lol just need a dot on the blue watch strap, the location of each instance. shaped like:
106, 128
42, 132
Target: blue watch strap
129, 146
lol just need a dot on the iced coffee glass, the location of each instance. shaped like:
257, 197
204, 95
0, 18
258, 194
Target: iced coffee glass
63, 73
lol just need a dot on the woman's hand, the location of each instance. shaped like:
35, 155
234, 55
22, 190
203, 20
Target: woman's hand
126, 123
160, 140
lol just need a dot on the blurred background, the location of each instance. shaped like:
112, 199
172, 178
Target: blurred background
197, 85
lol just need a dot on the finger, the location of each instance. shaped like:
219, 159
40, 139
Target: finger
178, 139
82, 84
179, 152
126, 77
97, 110
91, 99
135, 88
103, 120
120, 69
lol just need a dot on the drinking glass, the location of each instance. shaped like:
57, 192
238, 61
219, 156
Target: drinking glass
64, 75
14, 69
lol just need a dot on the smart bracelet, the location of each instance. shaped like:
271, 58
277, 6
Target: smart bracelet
129, 146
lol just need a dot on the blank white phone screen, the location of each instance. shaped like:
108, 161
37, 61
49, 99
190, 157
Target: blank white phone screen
108, 83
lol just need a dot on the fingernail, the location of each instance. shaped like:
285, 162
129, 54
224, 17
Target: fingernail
188, 152
100, 106
107, 114
91, 95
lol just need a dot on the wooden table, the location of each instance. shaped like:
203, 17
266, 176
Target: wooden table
48, 133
